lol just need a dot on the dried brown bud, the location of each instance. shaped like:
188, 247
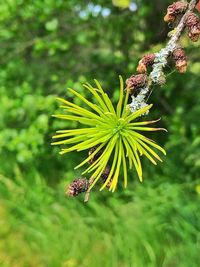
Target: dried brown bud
104, 176
146, 61
198, 6
78, 186
193, 25
136, 82
175, 9
96, 156
180, 59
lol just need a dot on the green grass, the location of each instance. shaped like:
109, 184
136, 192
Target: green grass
153, 225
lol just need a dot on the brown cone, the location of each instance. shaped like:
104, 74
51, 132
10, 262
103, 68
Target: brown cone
136, 82
180, 59
193, 25
175, 9
198, 6
78, 186
146, 61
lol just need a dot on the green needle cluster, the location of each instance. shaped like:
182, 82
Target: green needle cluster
114, 131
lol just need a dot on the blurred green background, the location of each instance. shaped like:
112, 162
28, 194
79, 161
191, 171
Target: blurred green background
46, 46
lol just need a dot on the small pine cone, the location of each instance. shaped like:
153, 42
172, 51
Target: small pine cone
180, 59
96, 156
198, 6
136, 82
175, 9
76, 187
193, 25
146, 61
104, 176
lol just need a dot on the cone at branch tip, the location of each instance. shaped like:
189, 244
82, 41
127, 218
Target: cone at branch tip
174, 10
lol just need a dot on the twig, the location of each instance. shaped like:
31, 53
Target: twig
87, 194
157, 75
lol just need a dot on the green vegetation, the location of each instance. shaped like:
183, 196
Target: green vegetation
112, 130
47, 46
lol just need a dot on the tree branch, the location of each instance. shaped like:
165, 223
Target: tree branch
157, 75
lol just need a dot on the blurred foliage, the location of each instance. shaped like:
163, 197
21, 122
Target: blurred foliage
47, 46
149, 225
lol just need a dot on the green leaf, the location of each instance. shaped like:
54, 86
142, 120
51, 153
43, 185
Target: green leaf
52, 25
